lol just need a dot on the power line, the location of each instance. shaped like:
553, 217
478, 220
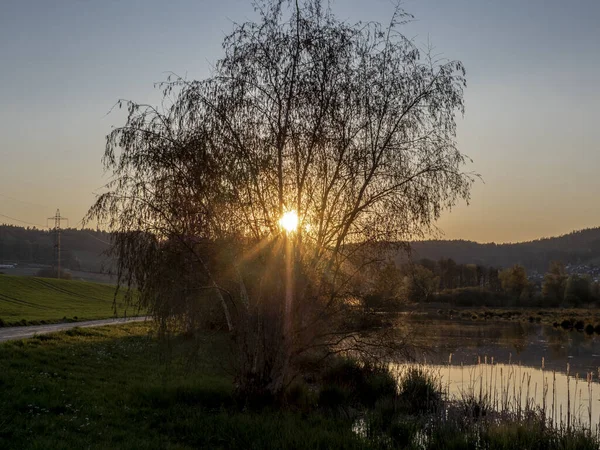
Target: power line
94, 237
22, 201
23, 221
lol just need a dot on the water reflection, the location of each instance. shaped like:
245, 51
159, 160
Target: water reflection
517, 342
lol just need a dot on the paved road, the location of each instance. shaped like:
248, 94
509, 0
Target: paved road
12, 333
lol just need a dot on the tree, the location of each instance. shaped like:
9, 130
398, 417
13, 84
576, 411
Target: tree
494, 280
469, 276
387, 285
514, 280
420, 284
555, 281
481, 275
449, 272
578, 289
430, 264
349, 127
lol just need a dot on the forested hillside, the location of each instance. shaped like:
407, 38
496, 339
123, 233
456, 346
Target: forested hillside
80, 249
83, 249
578, 247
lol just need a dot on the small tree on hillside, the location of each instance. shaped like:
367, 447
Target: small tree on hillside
346, 130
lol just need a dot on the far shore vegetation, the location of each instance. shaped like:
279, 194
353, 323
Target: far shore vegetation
390, 285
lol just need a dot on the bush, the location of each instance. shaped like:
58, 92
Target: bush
301, 397
332, 396
356, 382
419, 391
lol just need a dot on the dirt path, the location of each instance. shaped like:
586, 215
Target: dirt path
12, 333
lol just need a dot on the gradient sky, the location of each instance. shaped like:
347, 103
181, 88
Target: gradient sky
531, 122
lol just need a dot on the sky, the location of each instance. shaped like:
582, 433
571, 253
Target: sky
530, 126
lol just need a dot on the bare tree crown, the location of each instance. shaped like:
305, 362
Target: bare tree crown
348, 125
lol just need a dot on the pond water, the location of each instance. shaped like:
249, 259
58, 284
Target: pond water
512, 363
507, 342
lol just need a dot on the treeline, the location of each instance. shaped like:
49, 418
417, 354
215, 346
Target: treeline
80, 249
391, 285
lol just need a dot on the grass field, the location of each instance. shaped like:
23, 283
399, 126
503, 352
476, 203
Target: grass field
120, 387
32, 300
109, 388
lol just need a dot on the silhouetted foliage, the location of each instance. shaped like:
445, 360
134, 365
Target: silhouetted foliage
578, 290
349, 125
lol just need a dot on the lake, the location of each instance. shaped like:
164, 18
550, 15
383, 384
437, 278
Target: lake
513, 363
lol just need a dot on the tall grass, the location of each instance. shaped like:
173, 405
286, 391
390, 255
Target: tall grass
498, 406
491, 394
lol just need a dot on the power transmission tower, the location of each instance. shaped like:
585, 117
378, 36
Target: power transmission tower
57, 219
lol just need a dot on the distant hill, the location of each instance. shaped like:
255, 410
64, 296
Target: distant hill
578, 247
83, 249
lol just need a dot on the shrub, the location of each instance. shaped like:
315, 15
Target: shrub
365, 383
300, 396
419, 391
332, 396
403, 433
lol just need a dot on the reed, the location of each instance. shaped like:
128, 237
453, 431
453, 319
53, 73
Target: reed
490, 391
488, 399
568, 397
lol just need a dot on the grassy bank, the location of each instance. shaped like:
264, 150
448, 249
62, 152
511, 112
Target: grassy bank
33, 301
120, 387
109, 388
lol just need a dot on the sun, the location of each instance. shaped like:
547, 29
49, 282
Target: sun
289, 221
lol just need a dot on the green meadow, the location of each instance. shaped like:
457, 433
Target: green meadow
32, 300
121, 387
116, 387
